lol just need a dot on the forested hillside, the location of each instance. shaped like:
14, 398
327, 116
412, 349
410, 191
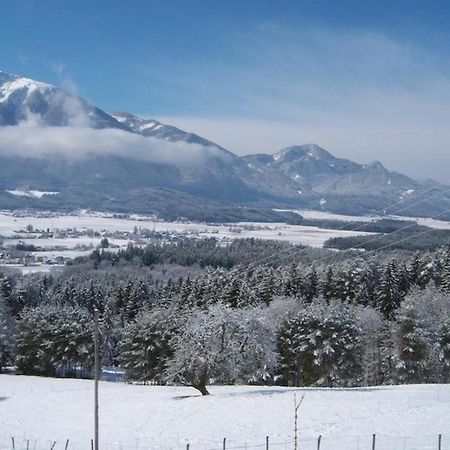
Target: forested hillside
252, 312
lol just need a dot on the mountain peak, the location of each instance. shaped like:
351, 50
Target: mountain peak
377, 166
306, 151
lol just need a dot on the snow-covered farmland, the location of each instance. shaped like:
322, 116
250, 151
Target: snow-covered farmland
62, 237
45, 410
322, 215
100, 222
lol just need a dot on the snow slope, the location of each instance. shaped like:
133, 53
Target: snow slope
46, 410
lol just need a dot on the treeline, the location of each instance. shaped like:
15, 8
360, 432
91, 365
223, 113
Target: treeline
409, 237
348, 323
202, 252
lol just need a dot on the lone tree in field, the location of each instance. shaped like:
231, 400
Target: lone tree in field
221, 343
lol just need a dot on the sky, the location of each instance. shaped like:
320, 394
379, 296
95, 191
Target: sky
367, 80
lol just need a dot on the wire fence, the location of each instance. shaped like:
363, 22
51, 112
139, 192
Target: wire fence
330, 442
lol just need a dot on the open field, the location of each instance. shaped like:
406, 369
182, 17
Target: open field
89, 228
100, 222
45, 410
322, 215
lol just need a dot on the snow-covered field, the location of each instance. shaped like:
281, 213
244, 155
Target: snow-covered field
45, 410
103, 223
100, 222
428, 222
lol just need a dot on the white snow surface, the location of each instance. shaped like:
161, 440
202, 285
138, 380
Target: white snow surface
17, 83
305, 235
313, 214
31, 193
46, 410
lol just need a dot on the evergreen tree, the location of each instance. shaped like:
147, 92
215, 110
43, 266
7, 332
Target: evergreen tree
54, 340
6, 338
311, 285
389, 295
145, 345
329, 290
418, 272
321, 346
414, 341
445, 272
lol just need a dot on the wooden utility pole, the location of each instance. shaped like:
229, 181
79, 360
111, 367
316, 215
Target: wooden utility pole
96, 375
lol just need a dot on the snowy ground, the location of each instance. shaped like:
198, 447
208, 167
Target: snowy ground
428, 222
100, 222
44, 410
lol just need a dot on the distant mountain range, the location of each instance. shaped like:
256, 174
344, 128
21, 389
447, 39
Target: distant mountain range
219, 186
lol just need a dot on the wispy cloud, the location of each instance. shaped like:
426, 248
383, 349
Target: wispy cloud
30, 140
362, 94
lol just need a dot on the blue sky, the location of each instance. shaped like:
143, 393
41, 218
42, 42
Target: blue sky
365, 79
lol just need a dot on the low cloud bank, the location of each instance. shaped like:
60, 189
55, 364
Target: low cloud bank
77, 142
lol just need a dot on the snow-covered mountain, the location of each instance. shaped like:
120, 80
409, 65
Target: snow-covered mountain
153, 128
303, 176
23, 99
312, 166
345, 186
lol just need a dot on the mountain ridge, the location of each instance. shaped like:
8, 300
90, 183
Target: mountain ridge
299, 176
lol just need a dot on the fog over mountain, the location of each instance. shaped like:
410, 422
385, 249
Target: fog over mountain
53, 140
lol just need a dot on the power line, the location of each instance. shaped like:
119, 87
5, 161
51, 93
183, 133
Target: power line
256, 264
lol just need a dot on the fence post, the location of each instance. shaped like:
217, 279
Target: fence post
13, 443
92, 444
440, 442
67, 445
318, 442
373, 441
28, 444
224, 443
53, 446
267, 442
187, 446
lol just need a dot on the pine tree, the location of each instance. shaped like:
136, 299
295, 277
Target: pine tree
54, 340
321, 345
292, 282
6, 339
414, 346
445, 272
311, 285
365, 290
444, 347
329, 286
418, 272
145, 345
389, 295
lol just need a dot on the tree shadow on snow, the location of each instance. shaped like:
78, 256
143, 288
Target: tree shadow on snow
302, 390
182, 397
283, 390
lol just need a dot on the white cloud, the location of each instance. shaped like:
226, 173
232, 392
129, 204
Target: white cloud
362, 95
420, 152
30, 140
